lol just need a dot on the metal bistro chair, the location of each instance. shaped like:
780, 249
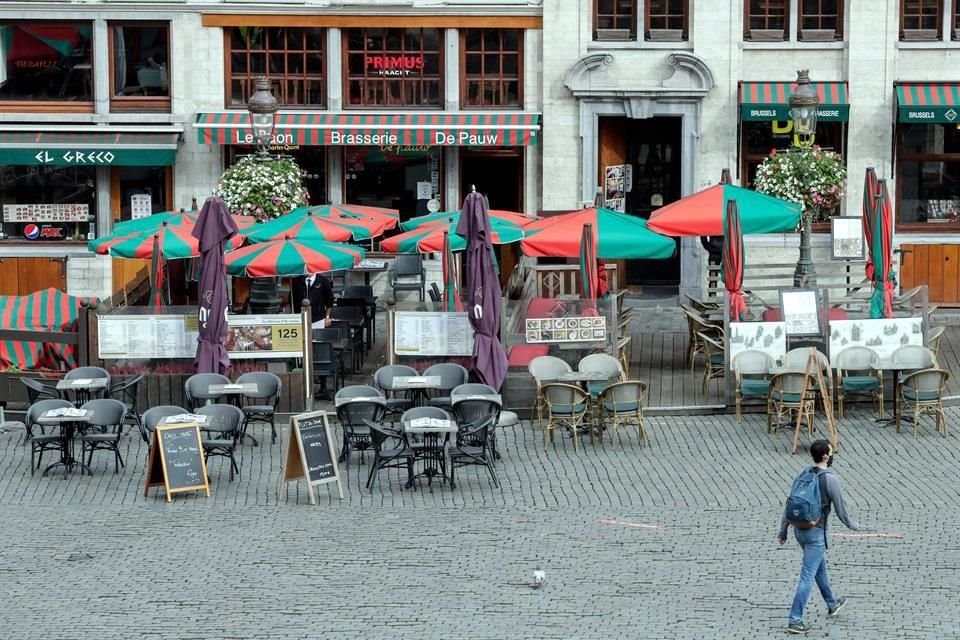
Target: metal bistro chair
390, 450
545, 368
36, 391
46, 441
752, 370
222, 433
398, 400
261, 405
451, 376
81, 396
126, 391
473, 402
713, 351
196, 390
568, 407
357, 321
350, 351
103, 430
856, 376
922, 392
370, 405
154, 416
790, 394
408, 274
621, 405
477, 420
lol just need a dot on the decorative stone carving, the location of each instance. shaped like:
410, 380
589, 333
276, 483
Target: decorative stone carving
589, 73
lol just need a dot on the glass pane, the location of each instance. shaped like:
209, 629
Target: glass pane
258, 63
294, 39
315, 39
47, 61
149, 181
491, 39
140, 61
237, 94
295, 64
314, 92
605, 6
431, 40
238, 63
491, 64
48, 185
275, 37
929, 191
314, 63
431, 64
510, 65
929, 139
473, 64
277, 64
511, 39
472, 97
355, 39
474, 39
355, 64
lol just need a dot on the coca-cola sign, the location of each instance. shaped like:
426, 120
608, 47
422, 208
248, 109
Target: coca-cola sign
393, 64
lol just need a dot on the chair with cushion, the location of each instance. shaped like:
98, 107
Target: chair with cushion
856, 376
567, 407
797, 359
752, 371
933, 340
153, 417
713, 352
356, 405
408, 274
46, 441
390, 450
697, 324
604, 364
451, 376
790, 394
126, 391
398, 400
621, 405
913, 356
477, 420
542, 369
103, 430
261, 405
921, 392
221, 433
196, 390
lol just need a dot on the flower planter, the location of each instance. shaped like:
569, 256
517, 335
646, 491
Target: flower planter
613, 35
817, 35
767, 35
665, 35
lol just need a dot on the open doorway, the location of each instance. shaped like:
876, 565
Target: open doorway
496, 173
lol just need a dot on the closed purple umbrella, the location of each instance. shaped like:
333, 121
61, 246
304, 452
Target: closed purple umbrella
214, 227
483, 291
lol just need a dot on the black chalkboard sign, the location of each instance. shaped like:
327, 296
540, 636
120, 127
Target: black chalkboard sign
176, 460
310, 453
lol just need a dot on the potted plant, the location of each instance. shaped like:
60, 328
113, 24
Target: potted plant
261, 188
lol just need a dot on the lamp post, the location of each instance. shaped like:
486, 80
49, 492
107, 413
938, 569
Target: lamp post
263, 110
803, 111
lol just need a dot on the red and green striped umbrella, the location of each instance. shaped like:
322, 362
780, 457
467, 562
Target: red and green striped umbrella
733, 260
363, 222
128, 229
870, 193
516, 219
617, 236
430, 238
588, 266
881, 253
290, 257
47, 310
158, 272
175, 242
701, 214
451, 277
306, 228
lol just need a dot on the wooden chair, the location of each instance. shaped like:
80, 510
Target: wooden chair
621, 405
856, 376
933, 340
697, 324
544, 368
790, 394
568, 407
714, 368
752, 371
922, 392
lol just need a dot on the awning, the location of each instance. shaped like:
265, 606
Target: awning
501, 129
765, 101
87, 146
928, 102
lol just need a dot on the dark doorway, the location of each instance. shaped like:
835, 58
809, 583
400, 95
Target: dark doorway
498, 174
653, 149
402, 178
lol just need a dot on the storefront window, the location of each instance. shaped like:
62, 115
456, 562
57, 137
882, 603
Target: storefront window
928, 174
45, 203
393, 67
393, 177
140, 65
293, 59
46, 61
492, 62
143, 191
312, 161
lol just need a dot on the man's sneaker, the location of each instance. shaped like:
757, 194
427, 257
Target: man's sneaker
835, 609
798, 627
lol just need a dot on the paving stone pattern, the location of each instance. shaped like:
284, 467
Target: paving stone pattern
90, 557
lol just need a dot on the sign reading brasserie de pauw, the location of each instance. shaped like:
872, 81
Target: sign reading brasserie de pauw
366, 137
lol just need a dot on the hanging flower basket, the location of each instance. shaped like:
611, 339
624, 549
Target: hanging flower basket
262, 188
813, 178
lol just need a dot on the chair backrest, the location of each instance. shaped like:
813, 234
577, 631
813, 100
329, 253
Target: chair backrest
472, 410
40, 407
36, 390
435, 288
358, 391
451, 376
358, 291
197, 387
154, 415
547, 367
793, 382
624, 392
856, 359
354, 414
126, 390
107, 412
87, 372
434, 296
699, 323
408, 264
753, 362
798, 358
424, 412
933, 339
914, 356
342, 326
268, 385
380, 436
926, 381
327, 334
322, 352
473, 389
601, 363
564, 394
347, 312
383, 377
710, 344
227, 418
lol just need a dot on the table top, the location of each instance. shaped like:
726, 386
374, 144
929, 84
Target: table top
55, 416
430, 425
339, 402
495, 397
367, 266
416, 382
184, 418
232, 389
83, 383
889, 365
579, 376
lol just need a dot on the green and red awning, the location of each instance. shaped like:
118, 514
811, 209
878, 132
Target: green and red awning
441, 129
928, 102
767, 101
85, 146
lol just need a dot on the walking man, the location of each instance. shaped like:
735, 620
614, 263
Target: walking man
815, 492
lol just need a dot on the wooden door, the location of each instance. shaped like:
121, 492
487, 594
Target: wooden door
934, 265
9, 278
36, 274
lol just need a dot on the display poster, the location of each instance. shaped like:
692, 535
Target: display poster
615, 187
141, 206
800, 312
424, 190
846, 238
418, 333
768, 337
46, 212
570, 329
882, 335
274, 335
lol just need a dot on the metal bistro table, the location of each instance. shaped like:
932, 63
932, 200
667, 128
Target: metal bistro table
83, 387
578, 376
366, 268
419, 384
68, 423
433, 450
897, 369
233, 389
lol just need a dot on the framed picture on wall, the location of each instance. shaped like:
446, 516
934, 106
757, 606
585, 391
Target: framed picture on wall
846, 238
800, 312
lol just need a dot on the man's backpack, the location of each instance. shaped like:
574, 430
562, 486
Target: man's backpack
805, 502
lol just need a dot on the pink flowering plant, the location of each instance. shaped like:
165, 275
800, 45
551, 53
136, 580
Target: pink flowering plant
813, 178
262, 188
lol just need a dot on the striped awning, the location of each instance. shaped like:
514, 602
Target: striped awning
86, 146
928, 102
501, 129
765, 101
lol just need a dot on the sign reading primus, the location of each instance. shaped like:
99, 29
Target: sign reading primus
393, 65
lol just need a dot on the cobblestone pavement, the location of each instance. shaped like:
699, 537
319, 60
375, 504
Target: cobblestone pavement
90, 557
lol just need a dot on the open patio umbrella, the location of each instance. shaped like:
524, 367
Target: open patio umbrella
733, 262
173, 241
617, 236
364, 222
291, 257
870, 187
128, 229
483, 292
701, 214
588, 266
451, 292
881, 253
305, 228
429, 238
516, 219
213, 229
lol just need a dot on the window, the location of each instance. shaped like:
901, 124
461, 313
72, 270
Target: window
614, 19
821, 20
139, 66
666, 20
393, 67
928, 175
46, 61
492, 63
766, 20
293, 59
144, 183
955, 22
53, 203
920, 19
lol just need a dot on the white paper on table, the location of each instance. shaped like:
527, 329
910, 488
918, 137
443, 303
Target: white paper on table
81, 381
420, 422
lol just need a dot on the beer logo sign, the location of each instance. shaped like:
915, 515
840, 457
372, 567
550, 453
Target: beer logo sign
393, 65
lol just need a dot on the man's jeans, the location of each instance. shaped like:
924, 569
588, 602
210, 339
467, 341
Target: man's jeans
813, 543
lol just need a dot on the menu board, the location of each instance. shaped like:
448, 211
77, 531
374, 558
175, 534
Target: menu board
141, 206
46, 212
274, 335
176, 461
432, 333
571, 329
310, 454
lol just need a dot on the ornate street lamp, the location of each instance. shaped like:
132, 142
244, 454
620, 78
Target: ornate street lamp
803, 111
263, 110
